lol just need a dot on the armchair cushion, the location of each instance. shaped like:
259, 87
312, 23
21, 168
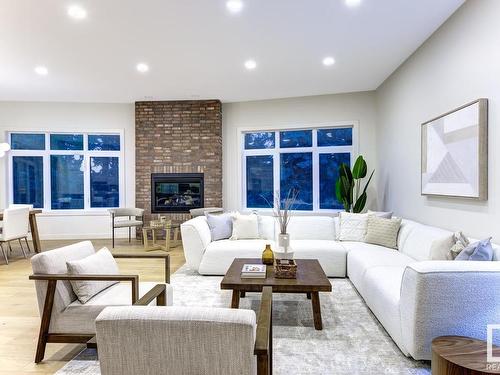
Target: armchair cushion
79, 318
54, 262
176, 340
99, 263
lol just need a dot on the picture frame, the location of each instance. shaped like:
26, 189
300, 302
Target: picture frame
454, 158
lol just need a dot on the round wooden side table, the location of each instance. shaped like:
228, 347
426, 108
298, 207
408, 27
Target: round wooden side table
457, 355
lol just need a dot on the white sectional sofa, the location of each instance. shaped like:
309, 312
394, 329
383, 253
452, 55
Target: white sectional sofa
415, 299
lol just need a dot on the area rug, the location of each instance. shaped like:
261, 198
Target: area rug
352, 340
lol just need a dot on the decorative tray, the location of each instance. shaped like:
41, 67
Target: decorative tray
285, 269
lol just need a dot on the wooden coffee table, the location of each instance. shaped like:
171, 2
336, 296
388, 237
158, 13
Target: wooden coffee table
311, 280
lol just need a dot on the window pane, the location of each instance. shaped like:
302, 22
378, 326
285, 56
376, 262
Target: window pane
335, 137
28, 180
259, 181
328, 175
108, 142
66, 181
66, 142
104, 182
296, 138
296, 174
20, 141
259, 140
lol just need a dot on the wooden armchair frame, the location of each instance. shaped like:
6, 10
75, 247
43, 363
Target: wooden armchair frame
264, 334
46, 337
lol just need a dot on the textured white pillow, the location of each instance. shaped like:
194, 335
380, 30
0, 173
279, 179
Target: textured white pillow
441, 248
245, 227
382, 231
352, 226
100, 263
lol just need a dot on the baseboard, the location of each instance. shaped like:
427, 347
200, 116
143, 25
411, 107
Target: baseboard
81, 236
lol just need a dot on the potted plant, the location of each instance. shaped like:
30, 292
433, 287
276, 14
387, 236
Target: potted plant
282, 217
348, 186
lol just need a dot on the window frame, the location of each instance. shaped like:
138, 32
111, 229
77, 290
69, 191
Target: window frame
277, 150
87, 154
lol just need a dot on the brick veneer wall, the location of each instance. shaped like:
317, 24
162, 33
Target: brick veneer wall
178, 137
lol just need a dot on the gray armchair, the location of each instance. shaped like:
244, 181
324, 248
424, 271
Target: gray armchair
135, 219
185, 340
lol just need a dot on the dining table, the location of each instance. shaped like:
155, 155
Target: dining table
33, 228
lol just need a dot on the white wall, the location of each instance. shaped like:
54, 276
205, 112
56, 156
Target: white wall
61, 116
459, 63
285, 113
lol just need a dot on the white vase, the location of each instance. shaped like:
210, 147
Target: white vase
284, 249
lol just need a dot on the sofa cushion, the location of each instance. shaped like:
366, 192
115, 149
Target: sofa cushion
79, 318
352, 226
363, 256
54, 261
221, 226
311, 228
382, 295
330, 254
99, 263
479, 251
266, 227
219, 255
419, 241
245, 226
382, 231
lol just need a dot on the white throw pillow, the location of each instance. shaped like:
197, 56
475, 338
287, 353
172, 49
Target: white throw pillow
100, 263
245, 227
441, 248
352, 226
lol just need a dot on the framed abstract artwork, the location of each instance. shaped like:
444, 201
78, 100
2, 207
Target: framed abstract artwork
455, 153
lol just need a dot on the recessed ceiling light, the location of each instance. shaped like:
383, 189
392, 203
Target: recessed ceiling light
352, 3
142, 68
328, 61
77, 12
250, 64
234, 6
41, 70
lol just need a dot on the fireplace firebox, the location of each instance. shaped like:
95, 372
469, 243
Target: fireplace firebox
176, 192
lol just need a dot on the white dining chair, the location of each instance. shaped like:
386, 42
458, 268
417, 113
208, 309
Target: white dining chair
15, 227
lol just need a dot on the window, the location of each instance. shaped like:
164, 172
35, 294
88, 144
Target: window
304, 160
66, 171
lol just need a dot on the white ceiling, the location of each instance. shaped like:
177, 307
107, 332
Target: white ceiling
196, 48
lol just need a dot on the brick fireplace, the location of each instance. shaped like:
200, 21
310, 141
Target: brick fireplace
178, 137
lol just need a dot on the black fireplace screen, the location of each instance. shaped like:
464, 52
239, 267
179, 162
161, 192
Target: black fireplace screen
176, 192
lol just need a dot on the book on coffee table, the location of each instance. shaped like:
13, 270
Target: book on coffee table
253, 271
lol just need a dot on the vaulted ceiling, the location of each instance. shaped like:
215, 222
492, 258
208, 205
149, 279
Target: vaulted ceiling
198, 48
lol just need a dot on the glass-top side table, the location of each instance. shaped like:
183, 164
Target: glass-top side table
165, 226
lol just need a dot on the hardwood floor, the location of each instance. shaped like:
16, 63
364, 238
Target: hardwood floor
19, 318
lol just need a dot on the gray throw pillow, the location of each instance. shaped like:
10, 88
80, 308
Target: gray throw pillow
100, 263
221, 226
481, 250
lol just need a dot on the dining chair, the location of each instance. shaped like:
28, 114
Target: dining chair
15, 227
135, 219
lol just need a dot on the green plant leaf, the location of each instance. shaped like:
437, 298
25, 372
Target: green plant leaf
345, 171
360, 168
360, 203
368, 182
338, 190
